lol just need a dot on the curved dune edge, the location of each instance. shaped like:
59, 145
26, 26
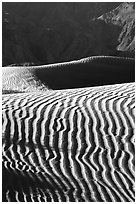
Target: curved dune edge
87, 72
69, 145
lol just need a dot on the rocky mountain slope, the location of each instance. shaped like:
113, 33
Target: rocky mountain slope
123, 16
44, 33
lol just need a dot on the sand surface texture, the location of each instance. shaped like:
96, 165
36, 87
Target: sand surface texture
67, 145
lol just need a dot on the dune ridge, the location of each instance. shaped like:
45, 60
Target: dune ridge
87, 72
69, 145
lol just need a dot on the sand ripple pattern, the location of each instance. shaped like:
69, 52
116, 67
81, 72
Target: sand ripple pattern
69, 145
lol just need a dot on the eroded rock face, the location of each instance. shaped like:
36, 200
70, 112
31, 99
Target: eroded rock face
44, 33
123, 16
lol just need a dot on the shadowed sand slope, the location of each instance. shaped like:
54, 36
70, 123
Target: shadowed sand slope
87, 72
68, 145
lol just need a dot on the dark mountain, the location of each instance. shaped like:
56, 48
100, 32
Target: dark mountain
44, 33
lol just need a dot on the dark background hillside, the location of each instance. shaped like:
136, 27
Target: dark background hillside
43, 33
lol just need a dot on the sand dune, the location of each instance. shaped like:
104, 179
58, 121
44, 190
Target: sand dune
87, 72
67, 145
75, 144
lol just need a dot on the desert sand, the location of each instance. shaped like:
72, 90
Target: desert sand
74, 144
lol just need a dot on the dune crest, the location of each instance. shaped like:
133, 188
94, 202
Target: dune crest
87, 72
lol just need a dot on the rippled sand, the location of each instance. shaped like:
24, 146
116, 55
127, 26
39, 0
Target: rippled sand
69, 145
66, 145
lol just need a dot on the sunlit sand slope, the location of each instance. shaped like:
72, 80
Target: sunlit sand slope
69, 145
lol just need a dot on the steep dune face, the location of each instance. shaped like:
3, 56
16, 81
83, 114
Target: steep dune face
86, 72
69, 145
